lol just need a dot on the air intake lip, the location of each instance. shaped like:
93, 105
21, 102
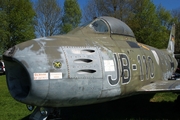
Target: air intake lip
10, 52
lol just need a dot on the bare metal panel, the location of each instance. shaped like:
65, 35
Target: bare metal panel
83, 62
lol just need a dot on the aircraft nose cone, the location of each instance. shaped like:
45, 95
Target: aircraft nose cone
22, 61
41, 71
16, 75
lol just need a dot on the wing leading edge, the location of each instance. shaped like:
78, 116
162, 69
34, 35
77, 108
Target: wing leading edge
170, 85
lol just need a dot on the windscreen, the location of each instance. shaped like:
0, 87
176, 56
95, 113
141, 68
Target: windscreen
99, 26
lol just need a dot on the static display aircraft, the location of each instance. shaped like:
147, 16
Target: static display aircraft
96, 62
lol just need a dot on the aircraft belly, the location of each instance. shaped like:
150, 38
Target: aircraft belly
73, 92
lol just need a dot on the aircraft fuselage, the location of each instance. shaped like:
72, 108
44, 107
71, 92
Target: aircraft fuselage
83, 67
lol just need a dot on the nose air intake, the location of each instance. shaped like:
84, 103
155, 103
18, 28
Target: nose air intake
18, 79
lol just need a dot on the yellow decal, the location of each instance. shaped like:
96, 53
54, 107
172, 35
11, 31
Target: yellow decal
143, 46
57, 64
172, 38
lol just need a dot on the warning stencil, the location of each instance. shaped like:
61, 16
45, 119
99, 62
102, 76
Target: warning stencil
55, 75
40, 76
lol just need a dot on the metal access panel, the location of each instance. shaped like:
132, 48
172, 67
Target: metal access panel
83, 62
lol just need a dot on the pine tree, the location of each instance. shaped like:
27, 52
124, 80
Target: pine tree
71, 17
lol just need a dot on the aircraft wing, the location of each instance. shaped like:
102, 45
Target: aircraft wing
170, 85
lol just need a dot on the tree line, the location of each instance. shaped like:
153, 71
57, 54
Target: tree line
22, 20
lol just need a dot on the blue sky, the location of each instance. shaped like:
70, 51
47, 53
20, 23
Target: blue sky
168, 4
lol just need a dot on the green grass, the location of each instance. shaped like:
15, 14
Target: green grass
160, 106
10, 109
164, 97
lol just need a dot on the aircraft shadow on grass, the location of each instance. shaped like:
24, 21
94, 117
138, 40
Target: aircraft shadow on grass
135, 107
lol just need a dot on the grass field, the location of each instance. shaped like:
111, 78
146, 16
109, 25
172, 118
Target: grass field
9, 108
160, 106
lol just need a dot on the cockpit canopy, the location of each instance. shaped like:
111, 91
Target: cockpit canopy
112, 25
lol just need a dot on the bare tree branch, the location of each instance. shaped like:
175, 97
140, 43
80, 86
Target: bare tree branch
48, 17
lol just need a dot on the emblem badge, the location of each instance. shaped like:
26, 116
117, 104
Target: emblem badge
57, 64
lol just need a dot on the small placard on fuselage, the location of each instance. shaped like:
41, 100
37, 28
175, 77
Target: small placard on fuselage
56, 75
109, 65
40, 76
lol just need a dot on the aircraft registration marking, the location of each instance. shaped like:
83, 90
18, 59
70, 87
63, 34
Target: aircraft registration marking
109, 65
123, 68
148, 63
56, 75
134, 67
41, 76
123, 71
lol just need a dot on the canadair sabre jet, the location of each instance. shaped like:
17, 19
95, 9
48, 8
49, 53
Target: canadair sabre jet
97, 62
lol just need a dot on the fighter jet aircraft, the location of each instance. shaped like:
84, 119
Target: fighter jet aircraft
97, 62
